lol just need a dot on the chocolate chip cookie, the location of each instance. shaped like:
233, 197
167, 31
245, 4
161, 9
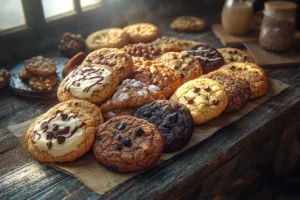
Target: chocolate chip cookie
142, 32
236, 86
73, 63
205, 98
208, 56
168, 44
188, 24
40, 66
71, 44
183, 63
234, 55
107, 38
4, 77
117, 59
148, 51
254, 75
108, 114
128, 144
173, 120
42, 83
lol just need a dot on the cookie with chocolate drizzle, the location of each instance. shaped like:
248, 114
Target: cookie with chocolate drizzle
65, 132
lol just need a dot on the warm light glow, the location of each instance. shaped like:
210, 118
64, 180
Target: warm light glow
85, 3
55, 7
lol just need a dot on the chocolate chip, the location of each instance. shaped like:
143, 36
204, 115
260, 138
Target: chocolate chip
231, 59
58, 111
215, 102
66, 130
139, 132
174, 118
49, 145
196, 90
63, 116
147, 114
114, 168
207, 88
44, 125
99, 138
190, 101
118, 147
127, 142
118, 137
121, 126
55, 127
49, 135
176, 66
60, 139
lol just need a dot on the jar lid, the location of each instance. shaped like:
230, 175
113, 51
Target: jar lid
282, 7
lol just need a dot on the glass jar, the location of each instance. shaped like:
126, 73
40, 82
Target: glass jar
237, 16
278, 25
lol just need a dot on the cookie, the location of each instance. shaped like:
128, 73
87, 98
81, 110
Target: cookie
205, 98
188, 24
158, 74
173, 120
127, 144
236, 86
42, 83
168, 44
4, 77
73, 63
234, 55
210, 59
40, 66
147, 51
132, 93
183, 63
24, 74
64, 133
71, 44
142, 32
117, 59
108, 114
94, 83
107, 38
254, 75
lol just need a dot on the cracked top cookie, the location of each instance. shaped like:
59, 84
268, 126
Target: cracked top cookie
65, 132
94, 83
184, 64
4, 77
117, 59
107, 38
206, 99
142, 32
173, 120
188, 23
234, 55
236, 86
40, 66
167, 44
128, 144
132, 93
158, 74
254, 75
208, 56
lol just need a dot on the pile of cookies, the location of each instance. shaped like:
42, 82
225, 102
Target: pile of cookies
150, 96
40, 73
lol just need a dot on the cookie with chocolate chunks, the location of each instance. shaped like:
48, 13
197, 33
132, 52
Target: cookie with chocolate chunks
71, 44
40, 66
208, 56
173, 120
127, 144
65, 132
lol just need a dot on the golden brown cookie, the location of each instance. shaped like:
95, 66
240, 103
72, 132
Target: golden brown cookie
107, 38
4, 77
64, 133
43, 83
234, 55
142, 32
188, 24
254, 75
40, 66
128, 144
236, 86
73, 63
206, 99
184, 64
148, 51
168, 44
94, 83
132, 93
117, 59
158, 74
118, 112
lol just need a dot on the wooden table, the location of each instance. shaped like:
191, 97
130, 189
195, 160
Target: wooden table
261, 137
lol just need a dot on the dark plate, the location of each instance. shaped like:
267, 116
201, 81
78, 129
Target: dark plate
21, 87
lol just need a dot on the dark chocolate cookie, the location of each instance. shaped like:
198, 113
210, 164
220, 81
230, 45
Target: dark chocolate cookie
208, 56
71, 44
174, 121
128, 144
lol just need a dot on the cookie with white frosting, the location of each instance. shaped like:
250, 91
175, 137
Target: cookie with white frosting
65, 132
94, 83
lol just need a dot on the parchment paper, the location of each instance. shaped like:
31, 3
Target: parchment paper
100, 179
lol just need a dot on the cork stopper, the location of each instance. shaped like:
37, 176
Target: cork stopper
281, 7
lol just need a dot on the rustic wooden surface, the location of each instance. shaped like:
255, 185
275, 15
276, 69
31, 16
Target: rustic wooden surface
204, 170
